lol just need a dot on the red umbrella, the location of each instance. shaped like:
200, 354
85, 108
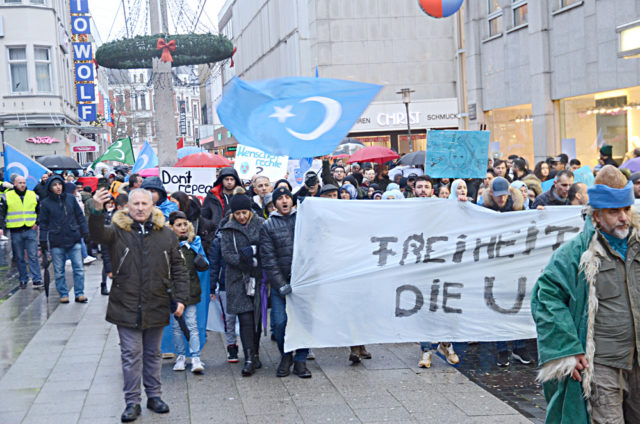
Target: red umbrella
342, 156
376, 154
203, 160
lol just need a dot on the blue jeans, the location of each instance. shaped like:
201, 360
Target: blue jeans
21, 241
279, 315
59, 256
517, 344
425, 346
85, 253
194, 337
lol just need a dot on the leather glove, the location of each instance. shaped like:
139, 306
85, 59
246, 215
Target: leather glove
285, 290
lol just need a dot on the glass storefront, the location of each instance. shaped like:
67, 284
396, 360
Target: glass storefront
611, 117
512, 127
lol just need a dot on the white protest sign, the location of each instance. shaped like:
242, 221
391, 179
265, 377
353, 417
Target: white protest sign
420, 269
195, 181
250, 161
298, 168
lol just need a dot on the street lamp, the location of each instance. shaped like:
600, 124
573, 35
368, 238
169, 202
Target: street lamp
406, 99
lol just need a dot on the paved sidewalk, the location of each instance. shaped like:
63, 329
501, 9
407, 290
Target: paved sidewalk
70, 372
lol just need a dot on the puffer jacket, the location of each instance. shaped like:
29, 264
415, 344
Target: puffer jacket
62, 222
146, 261
276, 248
239, 269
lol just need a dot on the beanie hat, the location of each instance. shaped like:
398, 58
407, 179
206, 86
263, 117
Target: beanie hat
175, 215
240, 202
500, 186
279, 192
69, 188
606, 150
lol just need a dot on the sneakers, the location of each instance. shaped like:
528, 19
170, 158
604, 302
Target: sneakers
232, 354
503, 359
38, 285
181, 363
82, 299
197, 366
425, 359
64, 299
88, 260
446, 349
522, 356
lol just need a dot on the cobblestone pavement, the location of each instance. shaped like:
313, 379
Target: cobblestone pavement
68, 371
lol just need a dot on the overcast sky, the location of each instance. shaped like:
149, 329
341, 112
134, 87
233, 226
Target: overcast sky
104, 13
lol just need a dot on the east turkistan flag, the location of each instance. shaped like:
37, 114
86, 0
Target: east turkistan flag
120, 151
16, 162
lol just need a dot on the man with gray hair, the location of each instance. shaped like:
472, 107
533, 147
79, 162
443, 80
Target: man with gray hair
149, 275
586, 305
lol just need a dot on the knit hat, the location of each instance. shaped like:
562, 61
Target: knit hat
240, 202
500, 186
279, 192
606, 150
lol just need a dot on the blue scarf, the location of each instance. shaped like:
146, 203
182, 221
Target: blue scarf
617, 244
605, 197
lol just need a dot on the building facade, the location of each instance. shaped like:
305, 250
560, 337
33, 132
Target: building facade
393, 44
552, 76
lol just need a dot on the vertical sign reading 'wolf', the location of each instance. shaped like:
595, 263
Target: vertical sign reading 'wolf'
83, 60
457, 154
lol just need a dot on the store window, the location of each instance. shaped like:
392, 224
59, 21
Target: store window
602, 118
18, 69
43, 68
494, 17
512, 129
520, 11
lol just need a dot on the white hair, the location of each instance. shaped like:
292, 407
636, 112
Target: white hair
140, 190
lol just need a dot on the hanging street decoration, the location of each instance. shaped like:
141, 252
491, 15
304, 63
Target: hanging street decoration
440, 8
189, 49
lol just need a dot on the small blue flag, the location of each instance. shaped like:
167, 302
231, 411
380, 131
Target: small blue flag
299, 117
16, 162
147, 158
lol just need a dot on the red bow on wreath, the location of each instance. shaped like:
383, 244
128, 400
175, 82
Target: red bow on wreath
235, 49
167, 48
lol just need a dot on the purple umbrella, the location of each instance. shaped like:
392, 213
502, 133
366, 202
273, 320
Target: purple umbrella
633, 165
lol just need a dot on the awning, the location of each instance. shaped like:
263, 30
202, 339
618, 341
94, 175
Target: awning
83, 144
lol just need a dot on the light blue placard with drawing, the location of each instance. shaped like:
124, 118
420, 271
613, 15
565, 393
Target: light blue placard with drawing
546, 185
457, 154
583, 175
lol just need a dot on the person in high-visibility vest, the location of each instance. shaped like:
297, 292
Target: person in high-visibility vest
19, 214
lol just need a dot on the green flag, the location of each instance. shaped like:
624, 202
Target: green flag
120, 151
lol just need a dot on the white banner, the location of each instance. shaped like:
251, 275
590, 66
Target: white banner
250, 161
195, 181
417, 270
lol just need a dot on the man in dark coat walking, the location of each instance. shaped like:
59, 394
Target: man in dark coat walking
62, 226
216, 204
276, 254
149, 274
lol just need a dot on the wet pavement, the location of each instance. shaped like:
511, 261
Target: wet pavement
62, 364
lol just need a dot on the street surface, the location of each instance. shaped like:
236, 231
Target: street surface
61, 364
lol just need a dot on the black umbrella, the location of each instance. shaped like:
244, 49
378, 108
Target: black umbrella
59, 162
348, 146
413, 158
181, 322
45, 267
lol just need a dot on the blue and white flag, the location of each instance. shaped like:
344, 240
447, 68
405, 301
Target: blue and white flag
298, 117
147, 158
16, 162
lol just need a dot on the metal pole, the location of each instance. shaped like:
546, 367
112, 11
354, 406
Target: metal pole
409, 128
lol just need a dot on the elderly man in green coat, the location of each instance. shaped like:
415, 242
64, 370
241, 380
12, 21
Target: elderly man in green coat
586, 305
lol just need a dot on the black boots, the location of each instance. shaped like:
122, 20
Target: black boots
157, 405
284, 369
249, 364
300, 369
131, 413
104, 290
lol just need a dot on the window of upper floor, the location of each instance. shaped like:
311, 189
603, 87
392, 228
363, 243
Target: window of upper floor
30, 69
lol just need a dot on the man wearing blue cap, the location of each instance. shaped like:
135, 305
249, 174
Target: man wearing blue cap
586, 305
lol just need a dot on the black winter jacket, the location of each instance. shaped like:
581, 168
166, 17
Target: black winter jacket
146, 261
548, 199
276, 248
62, 222
214, 207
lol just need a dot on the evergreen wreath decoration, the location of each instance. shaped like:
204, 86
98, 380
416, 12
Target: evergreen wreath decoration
138, 52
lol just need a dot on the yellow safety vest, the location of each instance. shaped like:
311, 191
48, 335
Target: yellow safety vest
21, 213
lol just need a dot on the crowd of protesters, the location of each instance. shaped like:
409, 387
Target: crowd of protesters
155, 244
